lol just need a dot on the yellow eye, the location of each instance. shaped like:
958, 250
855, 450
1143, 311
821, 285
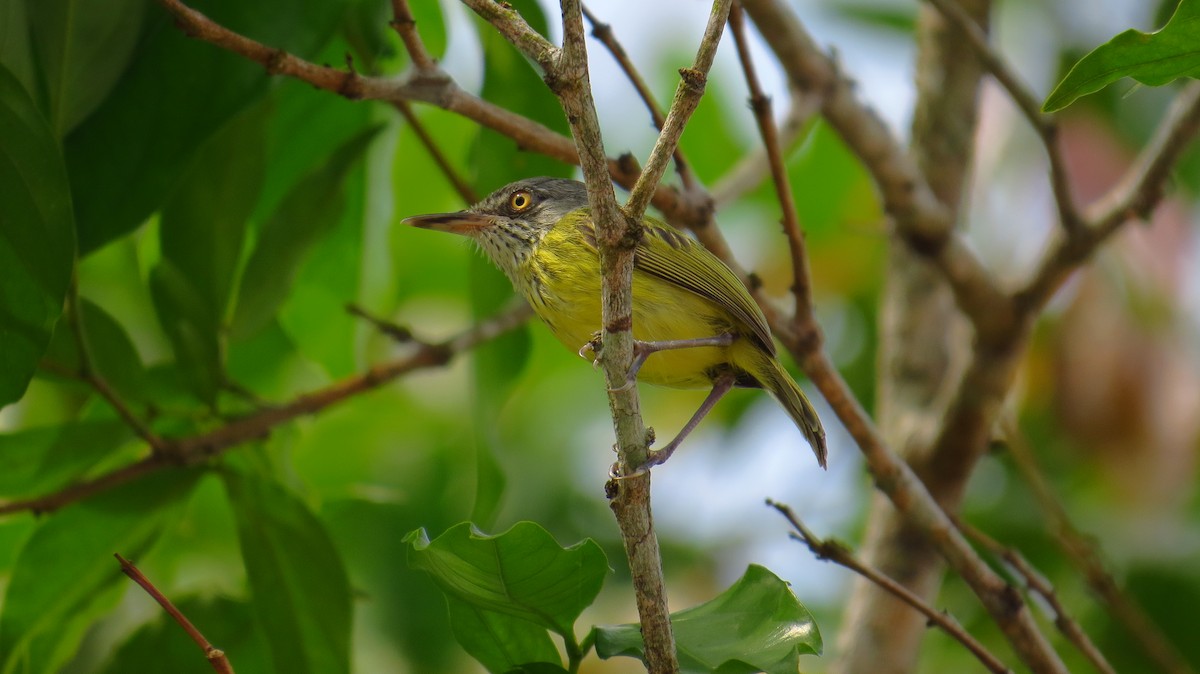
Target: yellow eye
520, 200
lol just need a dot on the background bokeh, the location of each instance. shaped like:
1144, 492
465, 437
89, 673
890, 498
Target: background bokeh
519, 429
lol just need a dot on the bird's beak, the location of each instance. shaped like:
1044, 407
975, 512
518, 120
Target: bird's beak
462, 222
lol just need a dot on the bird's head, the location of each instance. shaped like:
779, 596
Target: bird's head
510, 222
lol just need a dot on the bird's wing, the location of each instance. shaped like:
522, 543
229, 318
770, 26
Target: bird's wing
676, 258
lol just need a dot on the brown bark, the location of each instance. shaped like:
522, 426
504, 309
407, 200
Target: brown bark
924, 346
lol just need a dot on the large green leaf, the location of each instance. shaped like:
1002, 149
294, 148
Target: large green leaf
126, 158
37, 236
1154, 59
499, 642
308, 212
508, 81
200, 236
522, 572
16, 48
757, 625
82, 48
297, 580
40, 460
65, 575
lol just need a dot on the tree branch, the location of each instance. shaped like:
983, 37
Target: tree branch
1136, 196
215, 656
1038, 583
1029, 105
1082, 551
192, 449
761, 105
604, 33
836, 552
920, 218
687, 96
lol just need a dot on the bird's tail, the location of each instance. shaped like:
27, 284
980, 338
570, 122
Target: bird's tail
788, 393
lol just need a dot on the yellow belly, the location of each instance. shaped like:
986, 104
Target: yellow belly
568, 301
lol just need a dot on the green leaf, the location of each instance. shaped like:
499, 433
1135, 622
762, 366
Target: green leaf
499, 642
111, 351
161, 646
200, 237
298, 582
757, 625
522, 572
508, 81
82, 48
40, 460
1154, 59
16, 50
192, 328
37, 237
65, 575
308, 212
126, 158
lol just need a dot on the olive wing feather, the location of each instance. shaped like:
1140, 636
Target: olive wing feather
678, 259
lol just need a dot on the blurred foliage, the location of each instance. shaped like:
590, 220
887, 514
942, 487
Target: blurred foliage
216, 221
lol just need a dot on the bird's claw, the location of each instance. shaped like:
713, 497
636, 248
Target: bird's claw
593, 345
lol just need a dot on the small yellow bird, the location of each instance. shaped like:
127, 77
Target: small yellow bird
694, 324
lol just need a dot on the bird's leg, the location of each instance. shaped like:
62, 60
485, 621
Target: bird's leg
721, 386
643, 350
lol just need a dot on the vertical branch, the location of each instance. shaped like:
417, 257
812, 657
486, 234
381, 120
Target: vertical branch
617, 236
924, 348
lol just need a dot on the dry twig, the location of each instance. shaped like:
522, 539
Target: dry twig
838, 553
215, 656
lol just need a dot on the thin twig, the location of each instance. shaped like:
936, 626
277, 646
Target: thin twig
1081, 549
687, 96
1136, 196
761, 105
838, 553
749, 172
896, 479
256, 426
397, 332
1045, 125
88, 373
215, 656
460, 185
604, 33
1039, 584
406, 27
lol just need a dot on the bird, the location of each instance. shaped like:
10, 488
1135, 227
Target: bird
694, 323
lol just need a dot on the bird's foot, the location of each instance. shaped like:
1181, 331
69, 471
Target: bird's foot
592, 347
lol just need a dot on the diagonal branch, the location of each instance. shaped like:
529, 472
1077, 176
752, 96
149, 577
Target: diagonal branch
196, 448
1037, 583
687, 96
1045, 125
1138, 193
215, 656
1082, 551
836, 552
761, 105
604, 33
